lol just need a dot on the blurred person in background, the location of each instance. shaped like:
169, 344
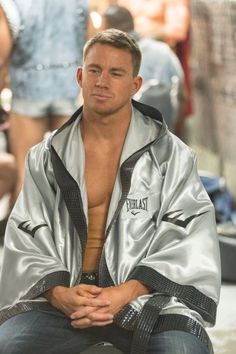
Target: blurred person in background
7, 163
7, 160
7, 172
160, 67
43, 43
7, 183
101, 5
168, 21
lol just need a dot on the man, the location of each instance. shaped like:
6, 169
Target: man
7, 171
166, 20
160, 68
113, 236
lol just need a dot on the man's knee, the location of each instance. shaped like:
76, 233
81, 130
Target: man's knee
13, 338
8, 344
171, 342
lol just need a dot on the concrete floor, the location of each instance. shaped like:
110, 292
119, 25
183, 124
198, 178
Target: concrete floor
223, 335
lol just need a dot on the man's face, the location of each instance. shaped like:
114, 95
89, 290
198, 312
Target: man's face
107, 80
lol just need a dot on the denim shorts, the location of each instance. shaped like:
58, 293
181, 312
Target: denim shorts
39, 109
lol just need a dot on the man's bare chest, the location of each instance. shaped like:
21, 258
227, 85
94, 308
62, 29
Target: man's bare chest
100, 174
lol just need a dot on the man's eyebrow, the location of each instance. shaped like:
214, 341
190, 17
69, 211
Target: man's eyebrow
93, 66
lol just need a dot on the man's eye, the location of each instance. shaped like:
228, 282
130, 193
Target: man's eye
116, 74
93, 71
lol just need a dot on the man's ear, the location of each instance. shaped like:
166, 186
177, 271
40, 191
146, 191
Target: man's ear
79, 75
138, 80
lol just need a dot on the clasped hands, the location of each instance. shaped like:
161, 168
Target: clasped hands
88, 305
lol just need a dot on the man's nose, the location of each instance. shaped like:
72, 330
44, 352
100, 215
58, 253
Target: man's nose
102, 80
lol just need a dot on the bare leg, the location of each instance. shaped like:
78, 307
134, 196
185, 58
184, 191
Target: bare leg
7, 173
24, 132
56, 122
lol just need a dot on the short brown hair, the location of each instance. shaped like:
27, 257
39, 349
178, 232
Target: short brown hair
118, 39
118, 17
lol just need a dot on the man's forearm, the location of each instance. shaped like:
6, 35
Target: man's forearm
52, 294
134, 289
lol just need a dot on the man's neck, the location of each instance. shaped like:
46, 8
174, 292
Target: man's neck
102, 128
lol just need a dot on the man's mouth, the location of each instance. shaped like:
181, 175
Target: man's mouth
101, 96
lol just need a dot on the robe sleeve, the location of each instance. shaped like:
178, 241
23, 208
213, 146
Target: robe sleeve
32, 263
183, 258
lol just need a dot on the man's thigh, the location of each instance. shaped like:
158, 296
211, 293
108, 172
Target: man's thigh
38, 332
176, 342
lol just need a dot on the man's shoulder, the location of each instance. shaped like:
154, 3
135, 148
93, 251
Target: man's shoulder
181, 151
170, 148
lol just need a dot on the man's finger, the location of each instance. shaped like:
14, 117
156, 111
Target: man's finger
96, 316
86, 288
82, 323
85, 323
84, 311
94, 302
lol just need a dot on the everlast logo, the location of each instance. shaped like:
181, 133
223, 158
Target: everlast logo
135, 206
28, 229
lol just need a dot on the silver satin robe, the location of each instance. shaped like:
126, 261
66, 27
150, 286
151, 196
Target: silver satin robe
160, 229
